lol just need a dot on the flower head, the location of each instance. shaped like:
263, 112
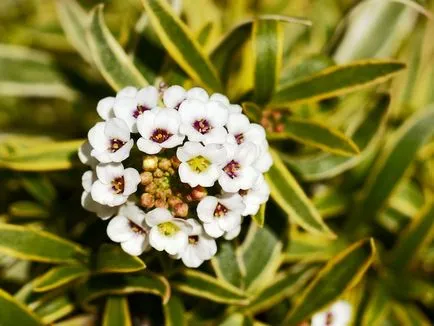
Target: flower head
159, 129
175, 95
110, 141
129, 229
338, 314
167, 232
114, 184
220, 214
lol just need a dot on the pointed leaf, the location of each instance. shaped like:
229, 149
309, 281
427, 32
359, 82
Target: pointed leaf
27, 209
317, 135
36, 245
174, 312
267, 49
259, 217
288, 194
378, 306
180, 44
336, 81
109, 57
205, 286
226, 265
59, 276
341, 273
112, 259
40, 187
55, 309
410, 315
116, 312
13, 312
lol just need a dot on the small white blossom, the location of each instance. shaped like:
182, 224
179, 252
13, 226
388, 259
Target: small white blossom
110, 140
129, 229
204, 121
200, 164
233, 108
238, 171
167, 232
114, 184
105, 108
200, 246
220, 214
84, 155
175, 95
339, 314
255, 196
159, 129
102, 211
130, 104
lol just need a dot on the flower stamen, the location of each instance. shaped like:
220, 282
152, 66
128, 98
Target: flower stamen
160, 135
118, 185
232, 168
136, 228
193, 239
220, 210
239, 138
168, 228
202, 126
115, 145
139, 110
199, 163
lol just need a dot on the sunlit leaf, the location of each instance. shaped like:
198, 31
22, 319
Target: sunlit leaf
226, 265
116, 312
112, 259
59, 276
55, 309
13, 310
27, 209
378, 306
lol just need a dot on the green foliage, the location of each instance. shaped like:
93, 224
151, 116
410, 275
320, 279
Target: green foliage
345, 95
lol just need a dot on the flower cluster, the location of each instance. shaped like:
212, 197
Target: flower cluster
196, 171
338, 314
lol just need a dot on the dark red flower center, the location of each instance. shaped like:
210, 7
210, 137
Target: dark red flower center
160, 135
232, 168
193, 239
220, 210
239, 138
118, 185
202, 126
329, 318
136, 228
115, 145
139, 110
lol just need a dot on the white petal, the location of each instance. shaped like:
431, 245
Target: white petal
148, 97
176, 243
106, 173
216, 153
235, 108
217, 113
173, 96
117, 129
264, 162
173, 141
122, 153
157, 216
102, 211
233, 233
238, 123
105, 108
189, 150
101, 193
206, 248
168, 119
145, 123
196, 227
190, 257
216, 136
128, 91
197, 93
136, 245
148, 146
84, 154
132, 212
206, 207
219, 98
87, 179
191, 110
97, 137
156, 239
229, 221
131, 181
319, 319
119, 230
213, 229
247, 153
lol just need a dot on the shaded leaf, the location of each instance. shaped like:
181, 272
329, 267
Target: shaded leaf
378, 306
59, 276
259, 217
226, 265
55, 309
112, 259
27, 209
40, 188
116, 312
336, 81
109, 57
174, 312
14, 312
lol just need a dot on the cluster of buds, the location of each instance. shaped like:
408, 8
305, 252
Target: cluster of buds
272, 121
197, 172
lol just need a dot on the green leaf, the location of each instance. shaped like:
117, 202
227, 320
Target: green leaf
260, 257
336, 81
259, 217
226, 265
112, 259
83, 319
73, 19
123, 284
51, 156
25, 72
40, 187
237, 319
116, 312
407, 199
207, 287
36, 245
109, 57
418, 233
55, 309
339, 274
174, 312
180, 44
267, 49
324, 166
204, 33
14, 312
59, 276
288, 194
284, 285
390, 167
378, 306
27, 209
331, 202
410, 315
317, 135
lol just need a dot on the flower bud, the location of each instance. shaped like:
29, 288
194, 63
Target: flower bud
173, 201
175, 162
147, 200
198, 192
181, 210
158, 173
150, 163
146, 178
151, 188
165, 164
161, 203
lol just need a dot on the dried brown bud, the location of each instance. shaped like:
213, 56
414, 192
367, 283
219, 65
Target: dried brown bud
150, 163
197, 193
174, 200
280, 127
180, 210
175, 162
165, 164
146, 178
161, 203
147, 200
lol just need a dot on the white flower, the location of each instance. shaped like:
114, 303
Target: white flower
84, 155
200, 246
130, 104
220, 214
110, 140
129, 229
102, 211
175, 95
204, 121
105, 108
233, 108
159, 129
255, 196
167, 232
238, 171
339, 314
200, 165
114, 184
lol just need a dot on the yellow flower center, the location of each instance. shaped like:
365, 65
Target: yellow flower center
199, 163
168, 228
